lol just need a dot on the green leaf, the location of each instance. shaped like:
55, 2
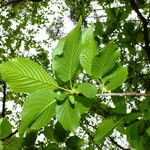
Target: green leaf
66, 55
144, 108
74, 143
52, 146
24, 75
38, 110
60, 134
87, 90
89, 49
1, 145
13, 144
136, 135
115, 79
83, 104
104, 62
59, 48
104, 129
68, 116
148, 131
5, 128
71, 99
120, 105
49, 133
29, 139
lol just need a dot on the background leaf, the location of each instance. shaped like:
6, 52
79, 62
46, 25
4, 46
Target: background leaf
68, 116
38, 110
1, 145
24, 75
66, 65
60, 134
104, 129
74, 142
29, 139
89, 49
137, 135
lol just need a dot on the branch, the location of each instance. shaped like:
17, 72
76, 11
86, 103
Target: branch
145, 27
4, 99
124, 94
118, 145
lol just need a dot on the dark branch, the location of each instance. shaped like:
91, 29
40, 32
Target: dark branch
4, 100
118, 145
145, 27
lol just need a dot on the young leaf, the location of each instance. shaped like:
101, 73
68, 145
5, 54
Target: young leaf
105, 128
24, 75
5, 128
66, 55
87, 90
115, 79
38, 110
69, 117
104, 62
89, 49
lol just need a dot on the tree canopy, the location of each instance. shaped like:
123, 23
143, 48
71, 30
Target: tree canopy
90, 90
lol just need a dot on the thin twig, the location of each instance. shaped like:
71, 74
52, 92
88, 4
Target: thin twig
124, 94
145, 27
4, 100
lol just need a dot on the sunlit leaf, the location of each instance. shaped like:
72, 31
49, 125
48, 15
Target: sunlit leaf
66, 55
104, 62
24, 75
38, 110
89, 49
